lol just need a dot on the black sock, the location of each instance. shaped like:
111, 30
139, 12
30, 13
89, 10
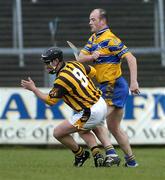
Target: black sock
79, 152
95, 150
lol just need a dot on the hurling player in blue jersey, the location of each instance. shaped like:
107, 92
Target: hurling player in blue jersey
107, 51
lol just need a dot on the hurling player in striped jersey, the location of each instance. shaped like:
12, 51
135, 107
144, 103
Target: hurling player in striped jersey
73, 84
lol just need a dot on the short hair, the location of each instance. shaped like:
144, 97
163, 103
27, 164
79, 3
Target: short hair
103, 14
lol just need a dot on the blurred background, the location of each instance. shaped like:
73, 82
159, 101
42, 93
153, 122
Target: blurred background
27, 27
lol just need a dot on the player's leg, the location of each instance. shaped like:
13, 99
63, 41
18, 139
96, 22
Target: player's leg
62, 133
92, 144
112, 158
113, 123
97, 118
115, 95
102, 134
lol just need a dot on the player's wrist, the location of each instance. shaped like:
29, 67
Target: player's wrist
94, 57
35, 90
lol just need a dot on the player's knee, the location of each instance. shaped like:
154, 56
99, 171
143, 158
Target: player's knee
114, 129
57, 133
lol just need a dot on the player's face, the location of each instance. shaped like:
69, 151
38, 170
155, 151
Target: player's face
49, 68
52, 67
95, 21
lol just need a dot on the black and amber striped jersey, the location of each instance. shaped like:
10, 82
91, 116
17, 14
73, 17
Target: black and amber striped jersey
74, 85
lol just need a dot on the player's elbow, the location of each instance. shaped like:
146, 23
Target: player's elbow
130, 57
49, 103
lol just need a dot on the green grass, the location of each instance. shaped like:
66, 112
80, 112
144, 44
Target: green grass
56, 164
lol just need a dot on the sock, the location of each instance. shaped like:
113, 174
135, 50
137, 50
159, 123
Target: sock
130, 160
79, 152
110, 151
95, 150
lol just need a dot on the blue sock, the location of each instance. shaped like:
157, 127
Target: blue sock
110, 151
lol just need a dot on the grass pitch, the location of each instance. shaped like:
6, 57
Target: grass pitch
56, 164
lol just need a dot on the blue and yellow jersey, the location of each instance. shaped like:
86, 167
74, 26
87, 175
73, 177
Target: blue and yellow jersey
112, 50
74, 85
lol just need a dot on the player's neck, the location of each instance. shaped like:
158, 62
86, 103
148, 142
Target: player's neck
61, 65
104, 28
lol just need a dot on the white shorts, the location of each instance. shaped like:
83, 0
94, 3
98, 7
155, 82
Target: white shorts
90, 118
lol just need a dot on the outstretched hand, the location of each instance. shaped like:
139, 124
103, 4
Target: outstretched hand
28, 84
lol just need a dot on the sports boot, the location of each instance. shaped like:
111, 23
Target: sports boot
130, 161
98, 160
110, 161
79, 160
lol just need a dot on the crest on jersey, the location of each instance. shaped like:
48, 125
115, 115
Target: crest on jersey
53, 93
115, 41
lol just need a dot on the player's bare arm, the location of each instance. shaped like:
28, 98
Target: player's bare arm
86, 58
132, 64
30, 85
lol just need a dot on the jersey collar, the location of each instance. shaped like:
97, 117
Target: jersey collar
102, 31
